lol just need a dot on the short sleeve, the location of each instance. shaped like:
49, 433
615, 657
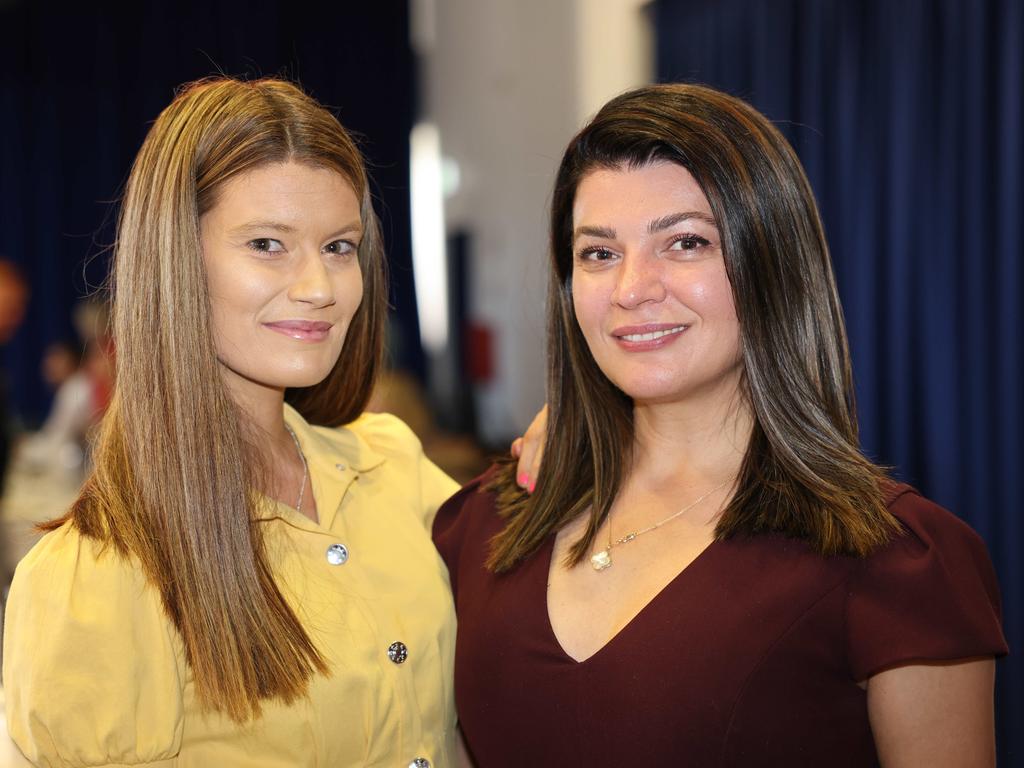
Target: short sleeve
436, 487
929, 595
93, 671
391, 437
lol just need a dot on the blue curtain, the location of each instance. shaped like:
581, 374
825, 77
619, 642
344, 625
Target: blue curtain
908, 117
80, 84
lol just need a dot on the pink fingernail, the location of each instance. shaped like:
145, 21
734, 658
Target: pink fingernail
523, 480
533, 484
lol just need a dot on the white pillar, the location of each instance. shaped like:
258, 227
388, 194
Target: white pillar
508, 82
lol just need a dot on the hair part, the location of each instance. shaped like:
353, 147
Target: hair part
803, 474
176, 477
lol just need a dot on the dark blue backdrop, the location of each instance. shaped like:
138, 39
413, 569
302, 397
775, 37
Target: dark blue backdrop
79, 88
908, 118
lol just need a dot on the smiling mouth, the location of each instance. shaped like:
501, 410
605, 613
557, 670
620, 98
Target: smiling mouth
653, 335
302, 330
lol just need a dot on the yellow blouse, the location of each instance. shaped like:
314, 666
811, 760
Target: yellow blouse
95, 672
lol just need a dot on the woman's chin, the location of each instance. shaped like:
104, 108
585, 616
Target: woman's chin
648, 391
303, 379
268, 378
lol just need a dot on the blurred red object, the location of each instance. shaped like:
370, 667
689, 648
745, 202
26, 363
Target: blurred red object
479, 356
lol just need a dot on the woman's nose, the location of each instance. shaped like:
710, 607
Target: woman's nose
312, 284
639, 281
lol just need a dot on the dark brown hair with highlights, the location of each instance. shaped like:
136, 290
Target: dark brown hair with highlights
803, 474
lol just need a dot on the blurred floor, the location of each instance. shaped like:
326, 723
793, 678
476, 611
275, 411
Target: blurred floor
30, 498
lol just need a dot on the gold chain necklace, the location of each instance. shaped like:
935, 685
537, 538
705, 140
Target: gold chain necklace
603, 559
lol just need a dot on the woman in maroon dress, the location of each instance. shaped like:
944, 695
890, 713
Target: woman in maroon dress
708, 572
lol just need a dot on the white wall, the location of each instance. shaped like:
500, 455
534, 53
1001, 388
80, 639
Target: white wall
508, 82
616, 51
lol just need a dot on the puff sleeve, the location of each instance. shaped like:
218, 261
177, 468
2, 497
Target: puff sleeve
391, 437
929, 595
93, 670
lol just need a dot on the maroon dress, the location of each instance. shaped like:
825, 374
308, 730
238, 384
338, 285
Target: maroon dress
749, 657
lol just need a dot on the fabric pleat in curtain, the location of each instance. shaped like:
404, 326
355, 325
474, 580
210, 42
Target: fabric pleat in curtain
908, 118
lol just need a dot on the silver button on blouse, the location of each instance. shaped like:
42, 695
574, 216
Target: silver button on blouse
337, 554
397, 652
420, 762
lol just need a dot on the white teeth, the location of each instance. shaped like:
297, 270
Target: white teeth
653, 335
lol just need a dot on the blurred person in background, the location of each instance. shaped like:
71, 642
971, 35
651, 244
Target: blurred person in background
13, 300
59, 445
708, 571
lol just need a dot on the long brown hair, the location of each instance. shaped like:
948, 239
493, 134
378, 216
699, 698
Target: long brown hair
803, 474
174, 480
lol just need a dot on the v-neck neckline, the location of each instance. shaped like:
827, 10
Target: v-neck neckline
547, 553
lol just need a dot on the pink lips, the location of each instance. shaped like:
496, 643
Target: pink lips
639, 338
301, 330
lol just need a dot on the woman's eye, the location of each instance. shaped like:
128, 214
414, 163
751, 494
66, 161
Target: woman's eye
341, 248
265, 245
596, 254
689, 243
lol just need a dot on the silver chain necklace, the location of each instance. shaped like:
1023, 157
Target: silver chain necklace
603, 558
305, 467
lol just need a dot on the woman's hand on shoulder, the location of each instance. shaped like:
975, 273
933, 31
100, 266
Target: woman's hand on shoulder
529, 449
938, 714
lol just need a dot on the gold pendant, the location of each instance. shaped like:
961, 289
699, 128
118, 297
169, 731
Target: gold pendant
601, 560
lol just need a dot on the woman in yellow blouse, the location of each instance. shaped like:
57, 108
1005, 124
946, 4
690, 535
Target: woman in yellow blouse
235, 587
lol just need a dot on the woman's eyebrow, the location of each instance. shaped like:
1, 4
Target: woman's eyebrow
667, 222
591, 231
354, 228
276, 226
